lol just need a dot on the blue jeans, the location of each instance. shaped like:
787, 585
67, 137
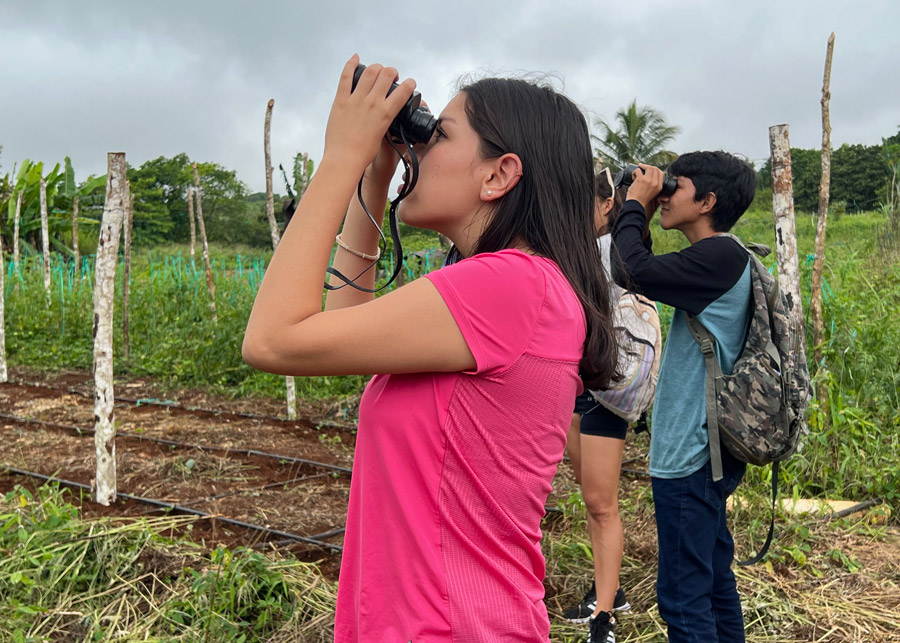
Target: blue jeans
695, 586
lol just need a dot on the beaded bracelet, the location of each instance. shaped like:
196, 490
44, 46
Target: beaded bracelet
357, 253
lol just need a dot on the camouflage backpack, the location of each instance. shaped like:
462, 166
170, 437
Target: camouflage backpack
758, 411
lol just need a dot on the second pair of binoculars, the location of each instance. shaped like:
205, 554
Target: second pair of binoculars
414, 121
625, 177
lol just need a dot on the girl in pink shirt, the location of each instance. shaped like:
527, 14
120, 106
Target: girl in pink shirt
478, 363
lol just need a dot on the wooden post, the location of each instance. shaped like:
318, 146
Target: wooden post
304, 177
3, 373
126, 277
190, 202
270, 199
815, 300
45, 239
75, 236
104, 291
16, 231
783, 207
289, 383
209, 280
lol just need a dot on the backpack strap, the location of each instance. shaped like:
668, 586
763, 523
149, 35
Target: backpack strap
765, 547
760, 249
713, 373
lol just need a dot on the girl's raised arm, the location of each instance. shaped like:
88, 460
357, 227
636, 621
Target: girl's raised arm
409, 330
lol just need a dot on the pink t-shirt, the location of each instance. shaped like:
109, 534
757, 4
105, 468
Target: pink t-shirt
452, 470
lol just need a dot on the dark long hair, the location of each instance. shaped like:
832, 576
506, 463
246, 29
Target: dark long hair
603, 189
551, 208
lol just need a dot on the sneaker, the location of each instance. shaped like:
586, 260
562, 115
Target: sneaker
581, 613
603, 628
620, 603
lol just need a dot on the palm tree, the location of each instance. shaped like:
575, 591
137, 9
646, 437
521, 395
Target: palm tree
637, 135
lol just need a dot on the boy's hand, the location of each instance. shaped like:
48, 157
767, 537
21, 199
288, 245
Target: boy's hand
648, 182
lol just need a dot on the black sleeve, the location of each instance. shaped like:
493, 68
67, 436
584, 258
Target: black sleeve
690, 279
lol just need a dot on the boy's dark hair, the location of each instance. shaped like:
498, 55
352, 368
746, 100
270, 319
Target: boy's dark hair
551, 208
731, 179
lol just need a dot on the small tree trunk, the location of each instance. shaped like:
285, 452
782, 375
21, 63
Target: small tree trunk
45, 239
75, 236
16, 231
289, 384
104, 291
3, 373
270, 199
304, 177
783, 207
209, 280
126, 277
190, 202
815, 304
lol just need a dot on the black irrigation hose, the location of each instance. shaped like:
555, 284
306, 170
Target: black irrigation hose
843, 513
181, 509
171, 405
238, 492
186, 445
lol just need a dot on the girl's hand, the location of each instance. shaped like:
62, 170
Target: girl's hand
360, 118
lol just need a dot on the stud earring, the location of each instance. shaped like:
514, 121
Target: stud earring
490, 193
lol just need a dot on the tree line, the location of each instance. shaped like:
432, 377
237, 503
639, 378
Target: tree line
160, 187
863, 177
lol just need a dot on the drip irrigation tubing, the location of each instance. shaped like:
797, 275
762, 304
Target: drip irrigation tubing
173, 405
843, 513
238, 492
185, 445
283, 535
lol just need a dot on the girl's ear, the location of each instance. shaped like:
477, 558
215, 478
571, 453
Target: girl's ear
602, 208
505, 172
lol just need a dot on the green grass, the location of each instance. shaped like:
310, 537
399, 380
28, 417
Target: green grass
67, 579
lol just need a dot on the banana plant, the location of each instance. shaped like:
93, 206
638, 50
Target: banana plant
61, 189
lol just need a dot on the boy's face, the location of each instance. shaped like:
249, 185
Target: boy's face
679, 210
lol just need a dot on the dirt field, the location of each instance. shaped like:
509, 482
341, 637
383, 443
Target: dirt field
222, 482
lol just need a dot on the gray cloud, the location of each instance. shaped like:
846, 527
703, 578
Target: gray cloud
152, 79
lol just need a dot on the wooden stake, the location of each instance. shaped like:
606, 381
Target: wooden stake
75, 236
16, 231
783, 207
45, 239
190, 203
815, 303
3, 373
209, 280
289, 384
126, 277
104, 300
270, 199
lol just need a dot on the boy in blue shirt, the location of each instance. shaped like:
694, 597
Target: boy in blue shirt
710, 279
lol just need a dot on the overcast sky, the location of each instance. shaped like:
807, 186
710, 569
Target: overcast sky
162, 77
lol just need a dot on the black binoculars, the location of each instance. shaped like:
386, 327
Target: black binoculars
624, 177
414, 120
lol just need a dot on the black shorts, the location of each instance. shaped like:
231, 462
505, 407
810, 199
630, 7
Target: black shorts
598, 420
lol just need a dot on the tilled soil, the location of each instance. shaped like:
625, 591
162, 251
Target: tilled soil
39, 433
